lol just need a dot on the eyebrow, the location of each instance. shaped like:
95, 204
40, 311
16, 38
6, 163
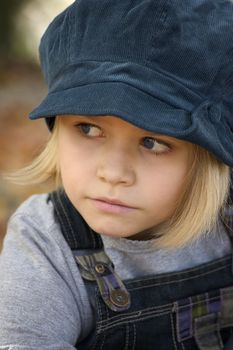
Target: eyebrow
88, 117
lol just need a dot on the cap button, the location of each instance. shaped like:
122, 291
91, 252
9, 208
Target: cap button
119, 297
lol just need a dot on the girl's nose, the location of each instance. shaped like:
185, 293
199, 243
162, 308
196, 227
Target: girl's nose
116, 167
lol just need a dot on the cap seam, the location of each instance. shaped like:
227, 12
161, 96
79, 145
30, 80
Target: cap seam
104, 82
140, 65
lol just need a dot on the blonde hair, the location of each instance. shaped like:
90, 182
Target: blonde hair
202, 202
205, 192
44, 167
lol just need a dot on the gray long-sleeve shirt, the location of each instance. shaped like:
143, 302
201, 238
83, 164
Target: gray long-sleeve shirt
43, 301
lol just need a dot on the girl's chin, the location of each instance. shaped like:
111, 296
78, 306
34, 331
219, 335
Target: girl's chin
137, 236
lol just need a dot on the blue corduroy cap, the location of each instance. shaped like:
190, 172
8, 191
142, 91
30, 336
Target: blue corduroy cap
162, 65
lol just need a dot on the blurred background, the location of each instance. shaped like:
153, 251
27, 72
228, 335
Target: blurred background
22, 23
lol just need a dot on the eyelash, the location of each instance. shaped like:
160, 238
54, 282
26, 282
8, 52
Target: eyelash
165, 146
82, 125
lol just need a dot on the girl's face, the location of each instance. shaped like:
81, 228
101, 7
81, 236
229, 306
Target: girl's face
122, 179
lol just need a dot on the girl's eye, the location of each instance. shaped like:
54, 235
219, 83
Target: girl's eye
155, 146
89, 130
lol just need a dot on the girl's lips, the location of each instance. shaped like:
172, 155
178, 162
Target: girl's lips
112, 206
113, 201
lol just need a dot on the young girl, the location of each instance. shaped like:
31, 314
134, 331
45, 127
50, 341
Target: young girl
134, 248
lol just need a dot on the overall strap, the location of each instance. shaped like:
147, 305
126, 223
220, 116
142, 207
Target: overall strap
93, 262
228, 220
75, 230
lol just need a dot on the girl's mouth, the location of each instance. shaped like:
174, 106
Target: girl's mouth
112, 205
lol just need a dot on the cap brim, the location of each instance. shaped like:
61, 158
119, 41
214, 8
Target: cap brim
119, 99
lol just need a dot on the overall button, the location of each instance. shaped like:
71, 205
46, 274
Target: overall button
119, 297
100, 268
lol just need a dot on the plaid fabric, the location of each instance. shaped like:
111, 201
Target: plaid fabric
188, 310
99, 267
203, 316
227, 218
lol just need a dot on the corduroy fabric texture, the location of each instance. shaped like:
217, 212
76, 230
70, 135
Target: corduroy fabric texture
165, 66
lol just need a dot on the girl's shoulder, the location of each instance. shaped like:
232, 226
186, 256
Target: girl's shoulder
36, 258
33, 224
36, 209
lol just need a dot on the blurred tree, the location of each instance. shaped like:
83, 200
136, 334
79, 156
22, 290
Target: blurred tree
9, 41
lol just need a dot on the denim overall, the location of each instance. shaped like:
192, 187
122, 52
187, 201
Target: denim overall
191, 309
